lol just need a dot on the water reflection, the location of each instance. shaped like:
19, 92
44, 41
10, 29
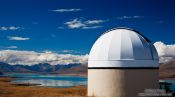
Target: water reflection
52, 83
49, 80
172, 87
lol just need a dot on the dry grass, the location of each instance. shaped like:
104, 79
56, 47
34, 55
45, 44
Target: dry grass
10, 90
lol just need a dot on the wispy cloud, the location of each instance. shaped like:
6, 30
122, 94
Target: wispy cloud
94, 21
161, 22
9, 47
92, 27
32, 57
17, 38
81, 24
129, 17
66, 10
61, 27
35, 23
53, 35
12, 47
5, 28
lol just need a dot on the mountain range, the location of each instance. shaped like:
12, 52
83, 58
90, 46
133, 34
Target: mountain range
166, 70
76, 68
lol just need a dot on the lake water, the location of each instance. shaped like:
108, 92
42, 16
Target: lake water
172, 87
49, 80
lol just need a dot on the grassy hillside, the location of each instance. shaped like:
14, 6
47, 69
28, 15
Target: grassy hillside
167, 70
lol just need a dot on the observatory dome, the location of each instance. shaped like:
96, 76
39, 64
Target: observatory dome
123, 47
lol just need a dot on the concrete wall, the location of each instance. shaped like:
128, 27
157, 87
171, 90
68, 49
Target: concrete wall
121, 82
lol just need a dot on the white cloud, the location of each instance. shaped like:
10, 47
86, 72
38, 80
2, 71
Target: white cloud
32, 57
9, 28
75, 23
17, 38
66, 10
129, 17
80, 24
166, 52
94, 21
67, 51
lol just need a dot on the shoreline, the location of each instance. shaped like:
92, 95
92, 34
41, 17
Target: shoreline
8, 89
65, 74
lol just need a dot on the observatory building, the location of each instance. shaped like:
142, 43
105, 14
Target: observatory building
122, 63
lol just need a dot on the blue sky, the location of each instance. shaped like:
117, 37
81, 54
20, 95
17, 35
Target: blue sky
72, 26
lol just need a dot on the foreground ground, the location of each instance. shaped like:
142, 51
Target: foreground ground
11, 90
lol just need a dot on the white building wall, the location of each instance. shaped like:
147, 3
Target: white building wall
121, 82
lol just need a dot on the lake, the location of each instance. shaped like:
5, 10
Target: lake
172, 87
49, 80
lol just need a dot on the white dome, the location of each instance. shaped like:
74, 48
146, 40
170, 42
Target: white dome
123, 47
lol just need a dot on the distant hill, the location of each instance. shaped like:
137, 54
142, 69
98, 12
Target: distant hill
45, 68
167, 70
